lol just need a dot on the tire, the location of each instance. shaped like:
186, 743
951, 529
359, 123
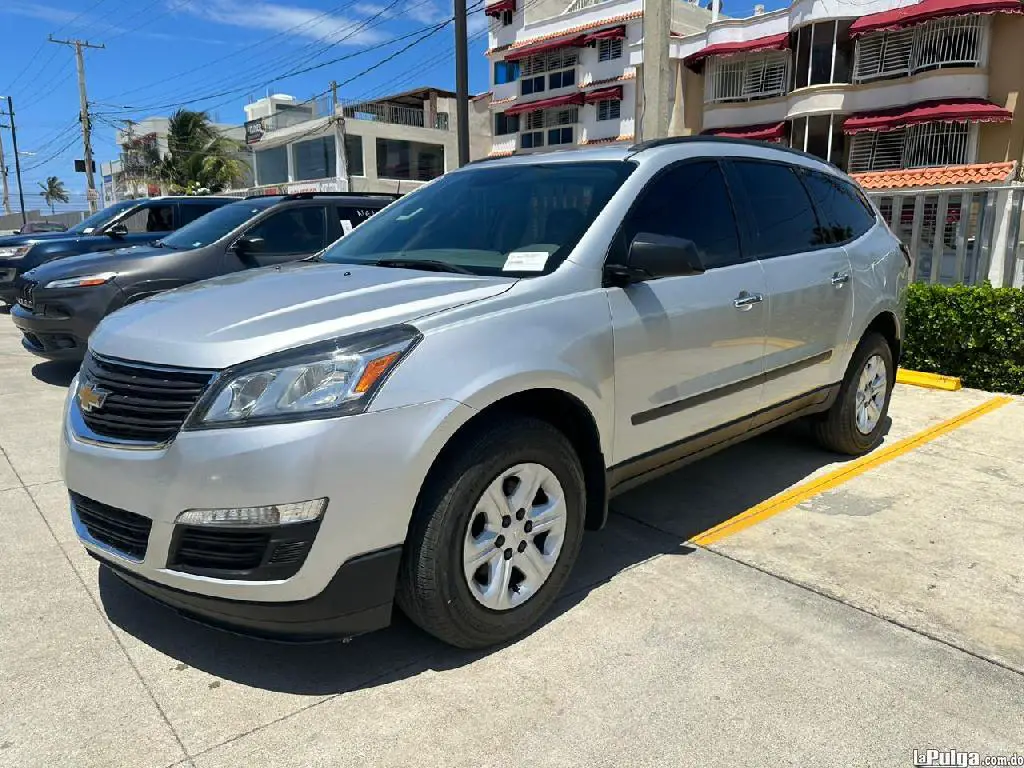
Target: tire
837, 429
435, 589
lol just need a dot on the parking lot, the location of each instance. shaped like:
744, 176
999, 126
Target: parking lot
836, 614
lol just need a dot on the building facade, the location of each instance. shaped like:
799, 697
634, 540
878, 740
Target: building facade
918, 101
392, 144
564, 73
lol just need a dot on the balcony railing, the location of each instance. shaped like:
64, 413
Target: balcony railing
746, 77
919, 146
395, 114
579, 5
952, 42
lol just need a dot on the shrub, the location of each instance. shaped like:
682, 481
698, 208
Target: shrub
974, 332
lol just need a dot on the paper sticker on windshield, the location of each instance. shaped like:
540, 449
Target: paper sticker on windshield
346, 226
525, 261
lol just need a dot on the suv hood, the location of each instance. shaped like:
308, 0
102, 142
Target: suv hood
91, 263
245, 315
14, 241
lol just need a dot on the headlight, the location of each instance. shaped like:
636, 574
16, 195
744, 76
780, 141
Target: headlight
82, 282
14, 253
318, 381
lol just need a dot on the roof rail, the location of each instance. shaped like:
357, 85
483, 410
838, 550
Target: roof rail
641, 146
311, 195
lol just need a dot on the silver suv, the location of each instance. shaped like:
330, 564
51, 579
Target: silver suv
433, 409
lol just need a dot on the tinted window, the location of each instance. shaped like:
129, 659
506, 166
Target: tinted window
216, 225
102, 217
295, 230
778, 210
845, 216
354, 154
350, 217
190, 212
155, 218
690, 201
478, 218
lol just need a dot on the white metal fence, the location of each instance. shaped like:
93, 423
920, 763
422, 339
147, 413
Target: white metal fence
746, 77
957, 41
918, 146
395, 114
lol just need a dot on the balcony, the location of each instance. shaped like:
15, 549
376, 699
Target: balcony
746, 77
396, 114
952, 42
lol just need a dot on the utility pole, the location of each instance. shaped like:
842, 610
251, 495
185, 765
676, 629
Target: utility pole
657, 83
340, 150
461, 82
17, 162
90, 183
3, 174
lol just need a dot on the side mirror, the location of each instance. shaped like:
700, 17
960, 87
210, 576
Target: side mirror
244, 245
118, 230
652, 256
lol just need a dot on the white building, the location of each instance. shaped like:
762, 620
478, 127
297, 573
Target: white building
392, 144
565, 72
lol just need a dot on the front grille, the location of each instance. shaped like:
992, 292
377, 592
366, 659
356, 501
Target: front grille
220, 549
141, 403
119, 529
25, 290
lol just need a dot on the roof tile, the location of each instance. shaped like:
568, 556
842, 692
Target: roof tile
609, 140
950, 175
570, 31
629, 74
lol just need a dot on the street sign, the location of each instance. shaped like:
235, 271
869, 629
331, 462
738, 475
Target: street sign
80, 166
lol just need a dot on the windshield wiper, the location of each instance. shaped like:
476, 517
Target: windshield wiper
431, 265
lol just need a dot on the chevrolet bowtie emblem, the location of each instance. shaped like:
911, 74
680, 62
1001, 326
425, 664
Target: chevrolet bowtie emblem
91, 397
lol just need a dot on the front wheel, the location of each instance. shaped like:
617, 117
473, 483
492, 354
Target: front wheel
855, 422
494, 535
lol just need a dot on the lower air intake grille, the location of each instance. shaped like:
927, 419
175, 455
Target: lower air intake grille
119, 529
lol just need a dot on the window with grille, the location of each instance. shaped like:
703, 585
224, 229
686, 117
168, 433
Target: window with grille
951, 42
609, 49
560, 64
547, 118
918, 146
549, 62
609, 109
746, 77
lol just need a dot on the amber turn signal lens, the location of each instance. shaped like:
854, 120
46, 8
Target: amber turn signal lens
374, 370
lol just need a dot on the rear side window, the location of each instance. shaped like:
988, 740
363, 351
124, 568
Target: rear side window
153, 218
689, 201
189, 212
350, 217
293, 230
778, 210
844, 214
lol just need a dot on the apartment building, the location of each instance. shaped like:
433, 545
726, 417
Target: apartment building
564, 73
920, 101
391, 144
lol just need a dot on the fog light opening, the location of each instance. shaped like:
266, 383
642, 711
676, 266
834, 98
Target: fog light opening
266, 515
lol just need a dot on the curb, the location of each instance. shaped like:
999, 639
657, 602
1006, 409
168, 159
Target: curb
928, 380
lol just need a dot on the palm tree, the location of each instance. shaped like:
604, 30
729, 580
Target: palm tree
53, 190
199, 156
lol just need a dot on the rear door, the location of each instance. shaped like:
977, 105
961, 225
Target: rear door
146, 224
810, 298
290, 234
688, 350
189, 211
351, 216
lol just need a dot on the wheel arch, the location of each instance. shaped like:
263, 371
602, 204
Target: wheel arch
887, 324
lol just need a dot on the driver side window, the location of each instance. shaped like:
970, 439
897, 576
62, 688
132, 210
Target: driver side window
295, 230
155, 218
689, 201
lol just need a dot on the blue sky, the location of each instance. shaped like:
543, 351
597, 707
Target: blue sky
162, 53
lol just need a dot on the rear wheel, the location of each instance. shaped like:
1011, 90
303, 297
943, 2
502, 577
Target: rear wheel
855, 422
495, 534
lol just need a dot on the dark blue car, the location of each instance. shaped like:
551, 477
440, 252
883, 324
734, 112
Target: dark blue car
131, 222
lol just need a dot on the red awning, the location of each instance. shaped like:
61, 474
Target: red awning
613, 33
928, 10
498, 8
605, 94
551, 45
778, 42
763, 132
558, 101
944, 111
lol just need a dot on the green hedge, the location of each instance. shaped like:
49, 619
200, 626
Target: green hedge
974, 332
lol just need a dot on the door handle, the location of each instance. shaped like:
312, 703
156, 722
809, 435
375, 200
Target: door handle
840, 279
745, 300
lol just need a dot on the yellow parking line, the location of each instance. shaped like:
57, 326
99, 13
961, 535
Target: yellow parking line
928, 380
794, 496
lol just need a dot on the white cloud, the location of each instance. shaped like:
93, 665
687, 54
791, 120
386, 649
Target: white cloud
57, 16
278, 17
428, 12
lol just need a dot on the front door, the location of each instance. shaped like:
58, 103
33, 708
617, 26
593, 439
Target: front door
288, 235
688, 350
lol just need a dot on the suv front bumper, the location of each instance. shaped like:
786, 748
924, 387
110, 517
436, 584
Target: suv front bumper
370, 467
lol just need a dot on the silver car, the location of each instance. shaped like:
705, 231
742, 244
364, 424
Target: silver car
434, 409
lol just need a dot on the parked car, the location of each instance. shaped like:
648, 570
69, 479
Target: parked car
35, 227
434, 410
60, 303
126, 223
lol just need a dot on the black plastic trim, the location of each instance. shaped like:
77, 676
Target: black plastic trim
729, 389
647, 466
357, 600
196, 549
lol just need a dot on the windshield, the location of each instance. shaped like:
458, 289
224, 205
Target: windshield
97, 220
505, 220
215, 224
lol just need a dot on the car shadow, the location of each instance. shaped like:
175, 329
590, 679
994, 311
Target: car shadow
654, 520
57, 373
